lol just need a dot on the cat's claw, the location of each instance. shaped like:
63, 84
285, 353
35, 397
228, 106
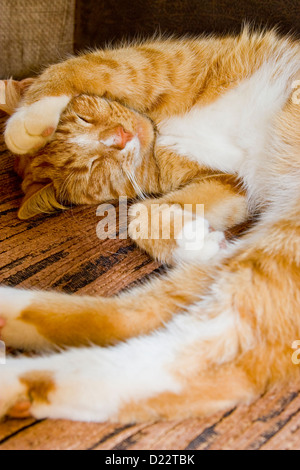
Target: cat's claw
31, 127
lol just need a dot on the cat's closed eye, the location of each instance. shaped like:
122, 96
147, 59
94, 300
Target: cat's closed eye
85, 119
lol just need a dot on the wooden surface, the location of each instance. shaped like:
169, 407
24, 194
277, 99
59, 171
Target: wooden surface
62, 252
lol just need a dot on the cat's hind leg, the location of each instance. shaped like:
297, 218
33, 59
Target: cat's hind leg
225, 349
36, 320
99, 384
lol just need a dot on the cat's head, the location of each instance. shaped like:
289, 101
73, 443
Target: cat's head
95, 156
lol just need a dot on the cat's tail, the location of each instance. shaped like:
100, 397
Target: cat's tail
11, 92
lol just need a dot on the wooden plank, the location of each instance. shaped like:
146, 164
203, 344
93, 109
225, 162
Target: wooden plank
251, 427
55, 435
13, 427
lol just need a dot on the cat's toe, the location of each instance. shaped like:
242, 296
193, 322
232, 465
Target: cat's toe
14, 401
13, 301
17, 137
31, 127
198, 242
21, 410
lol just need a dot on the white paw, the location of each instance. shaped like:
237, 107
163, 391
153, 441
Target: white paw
14, 332
31, 127
197, 242
13, 394
13, 301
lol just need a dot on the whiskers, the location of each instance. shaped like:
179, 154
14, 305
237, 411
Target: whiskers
135, 185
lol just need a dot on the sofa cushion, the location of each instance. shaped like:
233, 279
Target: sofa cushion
34, 33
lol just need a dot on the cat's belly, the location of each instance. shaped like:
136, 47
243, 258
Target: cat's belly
232, 130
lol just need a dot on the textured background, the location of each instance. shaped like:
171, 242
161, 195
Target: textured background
55, 252
100, 21
62, 252
34, 33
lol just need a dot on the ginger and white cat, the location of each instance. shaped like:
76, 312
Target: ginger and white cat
218, 329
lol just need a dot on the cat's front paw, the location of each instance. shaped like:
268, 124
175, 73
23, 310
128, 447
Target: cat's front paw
155, 221
198, 242
31, 127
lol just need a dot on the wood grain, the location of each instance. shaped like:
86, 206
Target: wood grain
62, 252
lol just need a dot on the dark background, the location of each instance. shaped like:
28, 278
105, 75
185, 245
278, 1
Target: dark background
101, 21
37, 33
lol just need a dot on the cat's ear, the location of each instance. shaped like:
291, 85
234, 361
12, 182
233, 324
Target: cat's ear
39, 199
11, 92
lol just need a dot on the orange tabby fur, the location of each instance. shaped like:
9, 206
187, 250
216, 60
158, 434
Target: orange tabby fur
233, 322
66, 172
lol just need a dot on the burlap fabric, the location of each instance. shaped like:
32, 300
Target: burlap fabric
34, 33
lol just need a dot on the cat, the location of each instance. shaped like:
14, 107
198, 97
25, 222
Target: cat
214, 332
92, 160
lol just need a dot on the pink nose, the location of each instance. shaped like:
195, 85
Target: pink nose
123, 137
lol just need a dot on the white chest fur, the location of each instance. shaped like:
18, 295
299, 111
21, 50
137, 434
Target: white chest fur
233, 129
